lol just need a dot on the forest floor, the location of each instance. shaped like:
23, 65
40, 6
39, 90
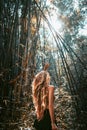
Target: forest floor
65, 111
22, 116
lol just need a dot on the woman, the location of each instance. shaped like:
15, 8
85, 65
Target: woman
43, 99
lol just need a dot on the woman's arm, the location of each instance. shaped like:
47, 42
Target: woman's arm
51, 103
51, 107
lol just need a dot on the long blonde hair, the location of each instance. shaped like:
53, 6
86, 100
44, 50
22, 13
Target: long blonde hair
40, 92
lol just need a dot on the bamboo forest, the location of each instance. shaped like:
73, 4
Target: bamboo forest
33, 33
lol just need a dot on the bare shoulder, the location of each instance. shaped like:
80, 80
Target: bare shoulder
51, 87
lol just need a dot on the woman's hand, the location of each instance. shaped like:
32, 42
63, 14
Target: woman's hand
54, 127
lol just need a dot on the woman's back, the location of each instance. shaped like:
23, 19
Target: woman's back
43, 99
